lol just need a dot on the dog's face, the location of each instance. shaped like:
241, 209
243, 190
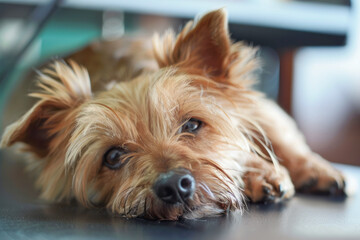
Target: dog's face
163, 145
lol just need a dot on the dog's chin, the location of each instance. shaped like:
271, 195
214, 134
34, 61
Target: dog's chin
192, 210
205, 211
172, 213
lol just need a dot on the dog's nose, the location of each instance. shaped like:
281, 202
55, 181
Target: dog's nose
175, 186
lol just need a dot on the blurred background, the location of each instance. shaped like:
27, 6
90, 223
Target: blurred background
310, 51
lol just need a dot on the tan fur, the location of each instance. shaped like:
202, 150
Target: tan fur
138, 99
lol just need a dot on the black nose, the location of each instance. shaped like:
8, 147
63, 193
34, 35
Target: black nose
175, 186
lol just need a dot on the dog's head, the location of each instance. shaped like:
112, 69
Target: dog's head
166, 144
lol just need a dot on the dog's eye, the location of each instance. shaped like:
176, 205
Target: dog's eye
191, 126
114, 158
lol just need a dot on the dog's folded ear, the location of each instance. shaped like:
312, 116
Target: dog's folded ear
204, 47
63, 88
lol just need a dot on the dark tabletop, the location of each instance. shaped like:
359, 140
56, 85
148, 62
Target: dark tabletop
23, 216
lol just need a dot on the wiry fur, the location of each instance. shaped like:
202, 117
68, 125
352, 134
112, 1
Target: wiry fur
201, 74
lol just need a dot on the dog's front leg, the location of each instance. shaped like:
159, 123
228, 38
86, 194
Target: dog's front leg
263, 183
309, 171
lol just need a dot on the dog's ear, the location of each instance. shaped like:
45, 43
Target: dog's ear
63, 88
205, 48
202, 46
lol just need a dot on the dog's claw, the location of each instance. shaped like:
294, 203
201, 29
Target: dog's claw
268, 199
266, 190
308, 185
337, 190
281, 190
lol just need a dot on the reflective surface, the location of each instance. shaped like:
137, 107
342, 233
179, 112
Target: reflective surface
23, 216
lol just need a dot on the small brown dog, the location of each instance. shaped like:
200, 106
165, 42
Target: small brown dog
166, 131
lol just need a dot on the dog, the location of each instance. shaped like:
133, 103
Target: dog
166, 129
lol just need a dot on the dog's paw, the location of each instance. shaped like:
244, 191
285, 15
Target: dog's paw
316, 175
264, 184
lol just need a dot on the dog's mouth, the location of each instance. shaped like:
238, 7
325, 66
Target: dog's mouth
198, 206
189, 211
179, 194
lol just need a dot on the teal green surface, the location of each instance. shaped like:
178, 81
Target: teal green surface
67, 30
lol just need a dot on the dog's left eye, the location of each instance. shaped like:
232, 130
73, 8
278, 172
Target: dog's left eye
114, 158
191, 126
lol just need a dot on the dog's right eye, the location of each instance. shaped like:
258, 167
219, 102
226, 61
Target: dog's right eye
191, 126
115, 157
